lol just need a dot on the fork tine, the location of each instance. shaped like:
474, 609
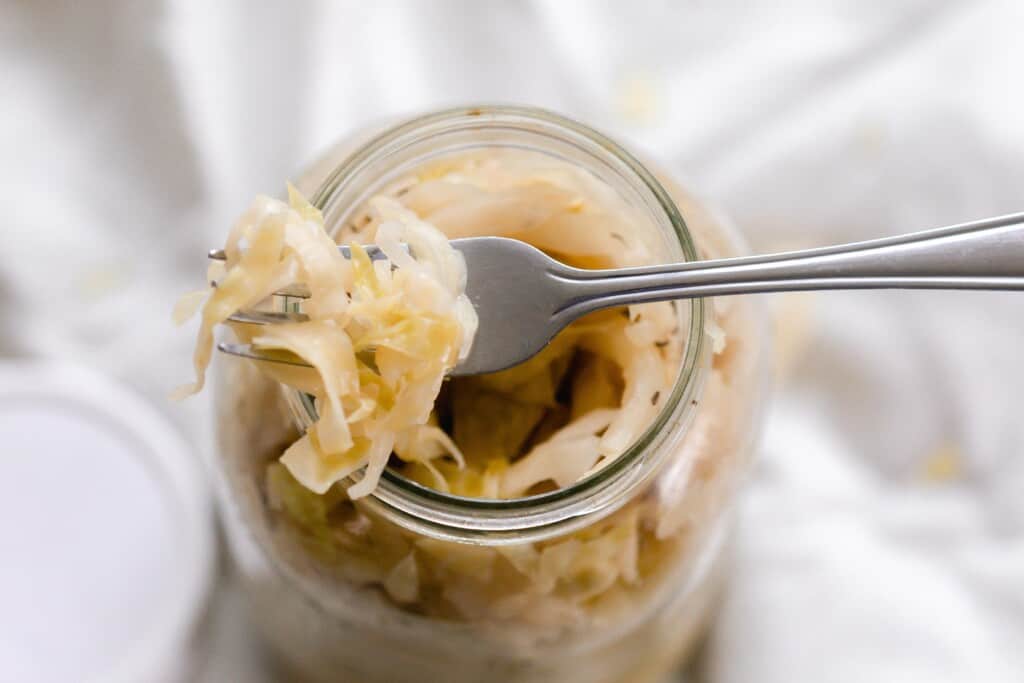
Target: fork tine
266, 317
299, 291
294, 291
277, 356
269, 355
372, 250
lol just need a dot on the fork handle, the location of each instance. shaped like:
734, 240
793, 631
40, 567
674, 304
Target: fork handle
985, 254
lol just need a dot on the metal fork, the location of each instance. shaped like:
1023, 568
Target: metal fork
524, 297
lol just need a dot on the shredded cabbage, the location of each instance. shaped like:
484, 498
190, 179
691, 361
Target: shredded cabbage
380, 340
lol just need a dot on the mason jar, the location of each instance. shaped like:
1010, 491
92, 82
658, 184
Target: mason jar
498, 591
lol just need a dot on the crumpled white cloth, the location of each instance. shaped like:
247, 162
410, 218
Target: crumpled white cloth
882, 536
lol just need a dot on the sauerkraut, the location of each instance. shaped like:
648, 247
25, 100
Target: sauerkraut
380, 335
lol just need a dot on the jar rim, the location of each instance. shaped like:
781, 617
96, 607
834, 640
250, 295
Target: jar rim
494, 521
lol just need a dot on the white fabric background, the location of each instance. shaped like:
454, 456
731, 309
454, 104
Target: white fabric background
132, 132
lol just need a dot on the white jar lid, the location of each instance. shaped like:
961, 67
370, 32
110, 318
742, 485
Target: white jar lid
106, 531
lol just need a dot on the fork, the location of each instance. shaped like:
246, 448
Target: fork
523, 297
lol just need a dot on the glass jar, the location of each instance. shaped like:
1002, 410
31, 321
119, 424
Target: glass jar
660, 512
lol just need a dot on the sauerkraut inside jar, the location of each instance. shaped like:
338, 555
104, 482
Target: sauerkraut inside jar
564, 519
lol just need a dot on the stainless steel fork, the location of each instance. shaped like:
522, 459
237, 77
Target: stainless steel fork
524, 297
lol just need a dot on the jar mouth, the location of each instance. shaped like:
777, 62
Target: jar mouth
494, 521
